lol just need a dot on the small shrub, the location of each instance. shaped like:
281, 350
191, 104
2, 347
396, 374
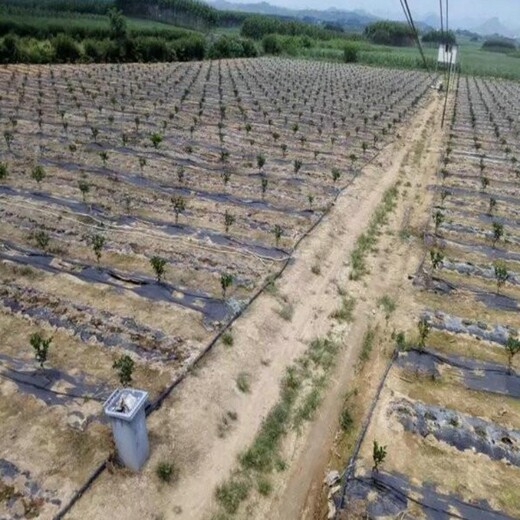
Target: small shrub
264, 486
165, 471
232, 493
286, 312
244, 382
345, 312
345, 420
368, 344
125, 368
227, 339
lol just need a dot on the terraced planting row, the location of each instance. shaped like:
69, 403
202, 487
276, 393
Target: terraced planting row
142, 208
444, 437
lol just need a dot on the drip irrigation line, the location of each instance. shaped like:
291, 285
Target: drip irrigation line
55, 392
400, 494
459, 364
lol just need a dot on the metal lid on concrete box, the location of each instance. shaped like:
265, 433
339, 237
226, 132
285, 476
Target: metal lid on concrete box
124, 403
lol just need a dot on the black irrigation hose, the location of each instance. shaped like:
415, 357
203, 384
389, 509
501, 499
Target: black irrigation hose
364, 428
449, 361
167, 391
55, 392
398, 493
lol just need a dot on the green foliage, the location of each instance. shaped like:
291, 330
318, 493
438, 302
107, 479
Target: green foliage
498, 232
366, 241
42, 239
260, 161
436, 258
264, 487
512, 348
156, 139
179, 206
226, 280
66, 50
345, 420
229, 220
346, 310
438, 219
166, 472
389, 33
439, 37
378, 455
118, 26
227, 339
244, 382
40, 346
124, 367
159, 267
388, 305
278, 232
84, 187
271, 44
227, 46
505, 45
38, 173
350, 53
424, 330
3, 170
368, 344
259, 26
232, 493
98, 241
501, 274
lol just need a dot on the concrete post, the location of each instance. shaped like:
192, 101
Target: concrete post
125, 407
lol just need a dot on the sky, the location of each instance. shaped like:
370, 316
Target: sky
478, 10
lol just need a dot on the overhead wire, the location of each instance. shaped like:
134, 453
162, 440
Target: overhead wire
409, 19
450, 66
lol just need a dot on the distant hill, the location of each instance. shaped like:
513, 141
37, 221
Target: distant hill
357, 19
494, 26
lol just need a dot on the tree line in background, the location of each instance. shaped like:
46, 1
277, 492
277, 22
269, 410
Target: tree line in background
46, 31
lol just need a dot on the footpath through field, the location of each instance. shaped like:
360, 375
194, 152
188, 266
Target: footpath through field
188, 428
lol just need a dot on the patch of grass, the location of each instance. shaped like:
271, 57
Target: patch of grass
306, 411
316, 269
367, 241
387, 304
226, 423
227, 338
368, 344
166, 472
264, 486
232, 493
244, 382
322, 352
262, 454
345, 420
286, 311
345, 312
271, 287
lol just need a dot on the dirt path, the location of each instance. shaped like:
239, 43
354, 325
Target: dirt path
189, 429
415, 165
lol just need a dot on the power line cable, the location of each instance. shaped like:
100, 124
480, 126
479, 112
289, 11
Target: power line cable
409, 19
